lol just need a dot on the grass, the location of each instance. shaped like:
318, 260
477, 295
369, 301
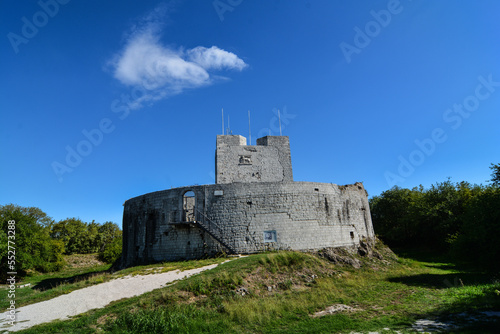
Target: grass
44, 286
278, 293
84, 271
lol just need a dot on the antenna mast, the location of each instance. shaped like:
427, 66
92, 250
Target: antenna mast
223, 121
249, 128
279, 117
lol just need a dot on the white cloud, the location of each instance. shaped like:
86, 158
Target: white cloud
215, 58
160, 71
145, 62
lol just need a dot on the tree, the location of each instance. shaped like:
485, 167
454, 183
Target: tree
395, 215
477, 242
34, 249
495, 174
460, 218
93, 237
85, 238
3, 244
73, 232
424, 218
112, 251
111, 242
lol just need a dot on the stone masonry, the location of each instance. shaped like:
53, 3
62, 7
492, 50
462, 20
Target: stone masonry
268, 161
254, 206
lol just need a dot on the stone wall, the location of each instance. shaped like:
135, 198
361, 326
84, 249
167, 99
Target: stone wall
268, 161
248, 217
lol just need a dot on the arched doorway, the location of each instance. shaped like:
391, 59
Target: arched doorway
188, 207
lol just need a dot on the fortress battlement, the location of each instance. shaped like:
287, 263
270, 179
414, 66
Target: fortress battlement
254, 206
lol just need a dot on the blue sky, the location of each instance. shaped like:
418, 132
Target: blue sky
102, 101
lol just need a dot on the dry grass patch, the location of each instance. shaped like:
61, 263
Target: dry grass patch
336, 308
83, 260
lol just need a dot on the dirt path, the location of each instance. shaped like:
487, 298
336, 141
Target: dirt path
97, 296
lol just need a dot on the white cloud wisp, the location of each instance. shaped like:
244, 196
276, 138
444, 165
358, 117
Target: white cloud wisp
161, 71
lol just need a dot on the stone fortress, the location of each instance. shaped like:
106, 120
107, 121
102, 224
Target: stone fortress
253, 206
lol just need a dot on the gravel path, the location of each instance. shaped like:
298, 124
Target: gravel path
96, 296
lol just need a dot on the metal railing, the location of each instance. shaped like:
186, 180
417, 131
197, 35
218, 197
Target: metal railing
214, 230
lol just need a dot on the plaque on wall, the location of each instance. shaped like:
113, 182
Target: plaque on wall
245, 160
269, 236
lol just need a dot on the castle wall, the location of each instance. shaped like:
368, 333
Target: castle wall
268, 161
250, 217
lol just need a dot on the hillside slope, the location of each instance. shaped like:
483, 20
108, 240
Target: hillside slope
330, 291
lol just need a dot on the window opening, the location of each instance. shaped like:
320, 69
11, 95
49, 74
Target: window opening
188, 207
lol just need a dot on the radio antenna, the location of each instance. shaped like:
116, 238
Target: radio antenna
249, 128
223, 121
279, 117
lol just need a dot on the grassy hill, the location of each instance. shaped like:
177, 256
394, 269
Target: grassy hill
283, 292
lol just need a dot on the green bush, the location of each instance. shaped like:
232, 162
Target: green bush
460, 218
34, 248
40, 243
74, 234
477, 240
86, 238
111, 251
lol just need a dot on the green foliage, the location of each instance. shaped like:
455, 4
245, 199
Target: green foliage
3, 243
92, 239
476, 295
182, 319
112, 250
75, 235
478, 239
39, 242
110, 242
108, 232
286, 261
85, 238
460, 218
46, 286
385, 296
495, 174
221, 283
393, 214
34, 249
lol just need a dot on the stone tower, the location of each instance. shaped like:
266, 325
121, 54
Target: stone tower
255, 205
268, 161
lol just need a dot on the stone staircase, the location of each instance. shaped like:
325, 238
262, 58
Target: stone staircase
209, 226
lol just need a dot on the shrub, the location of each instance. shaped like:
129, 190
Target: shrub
461, 218
34, 249
111, 251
